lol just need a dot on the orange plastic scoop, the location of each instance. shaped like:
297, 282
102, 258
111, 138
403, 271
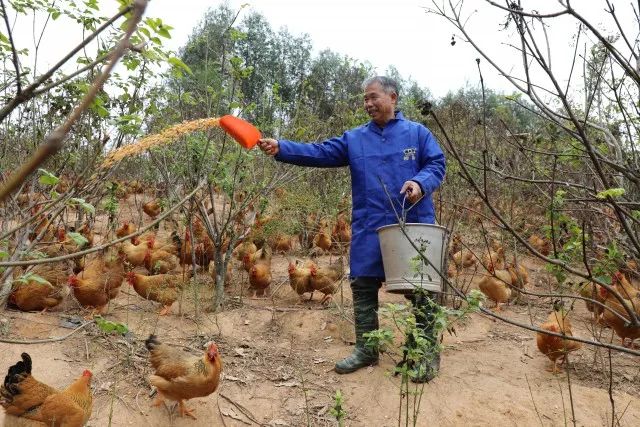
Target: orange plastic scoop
240, 130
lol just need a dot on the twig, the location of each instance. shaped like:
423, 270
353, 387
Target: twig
241, 408
55, 140
46, 340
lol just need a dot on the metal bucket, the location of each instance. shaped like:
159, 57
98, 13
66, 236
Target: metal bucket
403, 267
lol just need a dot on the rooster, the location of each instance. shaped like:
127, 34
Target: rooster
180, 378
23, 396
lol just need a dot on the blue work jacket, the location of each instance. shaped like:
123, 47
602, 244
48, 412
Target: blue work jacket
403, 150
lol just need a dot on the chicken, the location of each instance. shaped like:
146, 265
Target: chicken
180, 378
624, 287
341, 234
162, 288
300, 277
99, 282
521, 277
464, 258
326, 279
244, 248
135, 254
621, 326
125, 229
539, 244
152, 208
35, 296
496, 285
260, 272
456, 244
494, 259
159, 261
282, 243
249, 259
40, 295
591, 290
322, 240
555, 347
25, 397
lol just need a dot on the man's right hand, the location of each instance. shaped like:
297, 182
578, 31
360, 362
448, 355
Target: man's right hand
269, 145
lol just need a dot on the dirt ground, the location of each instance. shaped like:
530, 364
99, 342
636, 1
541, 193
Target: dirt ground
278, 357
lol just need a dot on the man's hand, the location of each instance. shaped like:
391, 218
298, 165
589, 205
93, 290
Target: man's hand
269, 145
414, 193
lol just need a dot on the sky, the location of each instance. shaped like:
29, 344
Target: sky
390, 32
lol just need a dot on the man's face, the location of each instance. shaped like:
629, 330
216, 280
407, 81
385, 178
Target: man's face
379, 105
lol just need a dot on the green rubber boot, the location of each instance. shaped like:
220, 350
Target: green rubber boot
424, 309
365, 310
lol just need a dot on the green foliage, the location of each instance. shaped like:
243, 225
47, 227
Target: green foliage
78, 239
108, 326
614, 193
47, 178
88, 207
337, 410
32, 277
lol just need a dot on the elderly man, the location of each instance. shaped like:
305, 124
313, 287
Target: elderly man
390, 150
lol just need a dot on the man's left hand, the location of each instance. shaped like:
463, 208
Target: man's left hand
413, 191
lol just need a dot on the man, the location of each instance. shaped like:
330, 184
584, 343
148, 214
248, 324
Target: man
390, 152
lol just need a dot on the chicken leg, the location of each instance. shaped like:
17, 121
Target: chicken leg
184, 410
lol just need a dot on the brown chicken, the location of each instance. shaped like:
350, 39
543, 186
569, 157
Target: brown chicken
326, 279
135, 254
181, 378
624, 287
35, 296
244, 248
322, 240
495, 286
125, 229
38, 295
162, 288
282, 243
464, 258
539, 244
341, 234
621, 326
158, 261
260, 272
25, 397
592, 291
555, 347
494, 259
98, 283
300, 277
152, 208
521, 276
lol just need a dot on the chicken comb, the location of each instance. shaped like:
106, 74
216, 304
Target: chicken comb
242, 131
87, 373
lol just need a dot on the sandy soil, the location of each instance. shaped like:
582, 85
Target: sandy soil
278, 357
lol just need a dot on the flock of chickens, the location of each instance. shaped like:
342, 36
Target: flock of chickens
503, 282
176, 378
158, 264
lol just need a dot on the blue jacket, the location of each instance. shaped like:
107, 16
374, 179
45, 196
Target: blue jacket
403, 150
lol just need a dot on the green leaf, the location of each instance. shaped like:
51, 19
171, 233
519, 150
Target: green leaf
4, 254
47, 178
78, 238
177, 63
88, 207
611, 192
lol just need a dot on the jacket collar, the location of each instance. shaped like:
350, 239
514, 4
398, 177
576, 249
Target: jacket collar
374, 127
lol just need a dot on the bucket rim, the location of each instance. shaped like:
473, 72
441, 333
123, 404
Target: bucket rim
409, 224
